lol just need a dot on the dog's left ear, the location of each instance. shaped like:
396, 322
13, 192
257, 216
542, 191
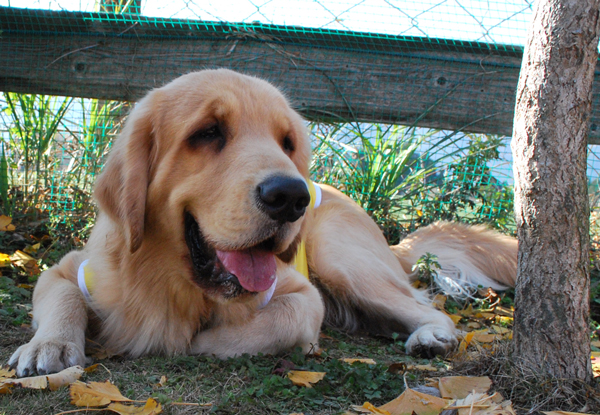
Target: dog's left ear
121, 188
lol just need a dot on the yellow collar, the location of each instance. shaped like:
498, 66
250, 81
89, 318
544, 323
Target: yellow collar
300, 261
85, 279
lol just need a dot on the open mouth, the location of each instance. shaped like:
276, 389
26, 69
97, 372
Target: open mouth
230, 273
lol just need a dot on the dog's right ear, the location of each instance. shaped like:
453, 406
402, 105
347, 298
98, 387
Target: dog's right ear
121, 188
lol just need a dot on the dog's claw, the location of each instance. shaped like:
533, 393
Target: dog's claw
46, 356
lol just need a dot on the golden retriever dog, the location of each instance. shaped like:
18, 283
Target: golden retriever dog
205, 208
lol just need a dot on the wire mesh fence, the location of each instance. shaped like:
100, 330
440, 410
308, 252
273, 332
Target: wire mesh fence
410, 103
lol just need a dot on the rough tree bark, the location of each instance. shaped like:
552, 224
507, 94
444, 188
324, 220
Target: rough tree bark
549, 146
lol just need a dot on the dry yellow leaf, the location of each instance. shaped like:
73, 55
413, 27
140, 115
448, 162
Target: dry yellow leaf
25, 261
91, 368
501, 330
64, 377
412, 401
487, 316
34, 382
467, 312
369, 408
32, 249
150, 408
95, 394
5, 388
367, 361
482, 404
439, 301
4, 260
304, 378
425, 368
596, 366
53, 381
482, 336
6, 373
5, 223
456, 319
459, 387
504, 311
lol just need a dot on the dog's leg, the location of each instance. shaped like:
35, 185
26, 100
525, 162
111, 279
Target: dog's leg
363, 284
291, 319
60, 315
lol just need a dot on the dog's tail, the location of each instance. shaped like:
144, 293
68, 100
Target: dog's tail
469, 256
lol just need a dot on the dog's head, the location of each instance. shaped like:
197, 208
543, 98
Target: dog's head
215, 164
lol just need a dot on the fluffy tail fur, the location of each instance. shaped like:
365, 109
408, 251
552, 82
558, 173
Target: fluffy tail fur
469, 256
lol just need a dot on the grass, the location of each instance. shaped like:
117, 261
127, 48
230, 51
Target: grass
244, 385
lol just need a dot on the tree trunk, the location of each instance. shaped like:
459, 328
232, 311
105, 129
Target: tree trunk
551, 331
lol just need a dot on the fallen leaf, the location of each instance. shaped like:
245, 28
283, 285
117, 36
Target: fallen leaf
32, 249
369, 408
54, 381
95, 394
501, 330
367, 361
26, 286
459, 387
5, 223
596, 366
91, 368
503, 311
64, 377
6, 373
482, 404
439, 301
455, 319
397, 367
304, 378
467, 312
25, 261
425, 368
563, 413
4, 260
412, 401
34, 382
483, 336
150, 408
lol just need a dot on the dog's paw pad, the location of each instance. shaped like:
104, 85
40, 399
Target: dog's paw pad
430, 341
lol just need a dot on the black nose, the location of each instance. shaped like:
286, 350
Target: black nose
283, 198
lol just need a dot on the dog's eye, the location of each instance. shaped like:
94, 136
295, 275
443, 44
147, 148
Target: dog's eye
207, 136
288, 145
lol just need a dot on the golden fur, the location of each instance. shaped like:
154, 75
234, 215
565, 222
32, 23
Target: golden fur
146, 296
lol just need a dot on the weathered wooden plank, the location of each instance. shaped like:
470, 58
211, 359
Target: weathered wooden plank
329, 75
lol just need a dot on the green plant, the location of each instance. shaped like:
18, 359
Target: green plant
4, 185
33, 123
397, 173
469, 191
427, 268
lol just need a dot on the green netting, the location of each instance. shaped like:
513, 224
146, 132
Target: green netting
410, 102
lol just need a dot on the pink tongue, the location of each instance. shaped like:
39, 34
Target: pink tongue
254, 268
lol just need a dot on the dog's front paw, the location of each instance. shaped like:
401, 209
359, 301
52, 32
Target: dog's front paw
46, 355
431, 340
